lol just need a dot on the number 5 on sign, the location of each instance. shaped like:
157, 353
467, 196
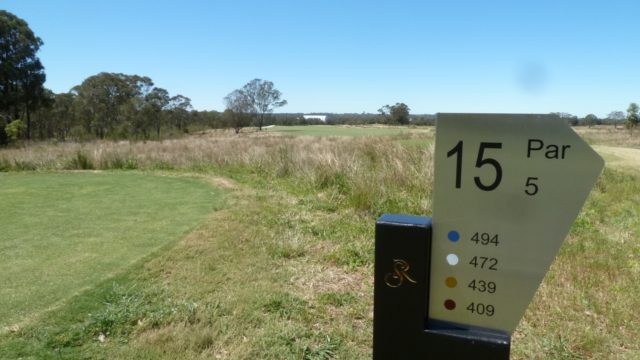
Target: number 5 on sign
509, 187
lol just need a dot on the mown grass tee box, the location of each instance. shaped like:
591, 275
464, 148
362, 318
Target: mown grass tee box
63, 232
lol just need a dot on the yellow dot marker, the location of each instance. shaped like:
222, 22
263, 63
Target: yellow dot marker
451, 282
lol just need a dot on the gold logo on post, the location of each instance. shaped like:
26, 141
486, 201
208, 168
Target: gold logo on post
399, 275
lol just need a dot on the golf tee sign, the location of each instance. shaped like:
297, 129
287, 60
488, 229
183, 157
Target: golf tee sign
507, 190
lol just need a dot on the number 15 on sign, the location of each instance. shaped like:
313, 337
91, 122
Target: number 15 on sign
483, 159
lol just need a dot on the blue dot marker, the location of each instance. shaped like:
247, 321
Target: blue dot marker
453, 235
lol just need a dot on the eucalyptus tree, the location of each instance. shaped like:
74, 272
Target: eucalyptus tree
179, 107
395, 114
100, 101
616, 117
62, 114
591, 120
263, 98
21, 73
156, 101
114, 104
238, 109
633, 118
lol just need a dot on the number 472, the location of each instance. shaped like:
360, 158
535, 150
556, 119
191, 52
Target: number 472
531, 185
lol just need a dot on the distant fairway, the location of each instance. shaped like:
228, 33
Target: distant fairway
336, 130
64, 232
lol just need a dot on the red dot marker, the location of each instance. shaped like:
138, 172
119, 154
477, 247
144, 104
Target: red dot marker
450, 304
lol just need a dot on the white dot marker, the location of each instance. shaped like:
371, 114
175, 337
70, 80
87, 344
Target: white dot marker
452, 259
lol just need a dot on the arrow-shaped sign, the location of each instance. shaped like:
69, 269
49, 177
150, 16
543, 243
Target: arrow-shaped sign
507, 189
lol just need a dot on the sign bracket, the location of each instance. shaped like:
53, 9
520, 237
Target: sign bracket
401, 323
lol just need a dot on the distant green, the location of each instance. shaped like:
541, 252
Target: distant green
418, 143
336, 130
61, 233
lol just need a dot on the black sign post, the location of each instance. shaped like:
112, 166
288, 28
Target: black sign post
402, 328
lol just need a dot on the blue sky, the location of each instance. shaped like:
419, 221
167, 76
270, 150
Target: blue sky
352, 56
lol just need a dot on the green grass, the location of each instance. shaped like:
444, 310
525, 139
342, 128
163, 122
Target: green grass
587, 306
64, 232
335, 130
285, 270
418, 143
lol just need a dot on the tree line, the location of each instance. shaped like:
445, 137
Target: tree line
122, 106
615, 118
103, 106
106, 106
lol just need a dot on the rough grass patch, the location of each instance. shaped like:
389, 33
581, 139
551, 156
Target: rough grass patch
24, 165
163, 165
352, 255
79, 161
337, 299
120, 163
285, 305
5, 165
324, 351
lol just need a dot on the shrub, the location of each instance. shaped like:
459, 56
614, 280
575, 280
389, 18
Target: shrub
25, 165
121, 163
80, 161
5, 165
16, 130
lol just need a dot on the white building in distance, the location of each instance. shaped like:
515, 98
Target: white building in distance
322, 118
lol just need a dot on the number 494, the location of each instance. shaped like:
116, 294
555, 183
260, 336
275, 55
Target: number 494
485, 239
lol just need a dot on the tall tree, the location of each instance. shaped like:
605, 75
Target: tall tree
395, 114
100, 98
238, 108
263, 98
157, 100
632, 117
179, 108
42, 125
616, 117
21, 72
591, 120
62, 114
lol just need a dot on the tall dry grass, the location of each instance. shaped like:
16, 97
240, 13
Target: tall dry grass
371, 173
610, 136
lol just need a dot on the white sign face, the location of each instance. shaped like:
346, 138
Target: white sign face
507, 189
